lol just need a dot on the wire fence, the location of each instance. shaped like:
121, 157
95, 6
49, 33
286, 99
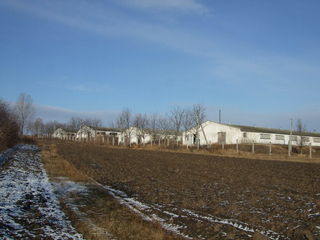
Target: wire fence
241, 149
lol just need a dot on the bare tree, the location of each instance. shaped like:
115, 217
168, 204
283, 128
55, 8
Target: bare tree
153, 126
9, 128
24, 110
141, 123
124, 123
75, 123
93, 122
301, 128
198, 116
164, 127
51, 126
187, 121
37, 127
177, 117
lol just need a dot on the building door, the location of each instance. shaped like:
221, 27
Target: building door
194, 139
222, 137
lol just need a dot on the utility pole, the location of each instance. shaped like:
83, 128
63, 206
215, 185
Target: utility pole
219, 115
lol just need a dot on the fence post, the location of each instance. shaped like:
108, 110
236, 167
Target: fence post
289, 147
222, 146
270, 149
252, 146
237, 146
310, 151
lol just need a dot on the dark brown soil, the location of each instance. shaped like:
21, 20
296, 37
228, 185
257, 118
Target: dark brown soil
271, 195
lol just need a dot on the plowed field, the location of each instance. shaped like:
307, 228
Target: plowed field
209, 197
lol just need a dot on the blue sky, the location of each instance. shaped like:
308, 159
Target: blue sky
256, 60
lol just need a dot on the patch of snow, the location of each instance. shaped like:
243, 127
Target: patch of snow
28, 206
65, 186
151, 212
138, 207
314, 214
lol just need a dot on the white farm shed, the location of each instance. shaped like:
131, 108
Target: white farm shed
88, 132
212, 132
63, 134
136, 136
144, 136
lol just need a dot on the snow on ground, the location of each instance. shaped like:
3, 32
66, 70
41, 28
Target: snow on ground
170, 217
66, 190
28, 207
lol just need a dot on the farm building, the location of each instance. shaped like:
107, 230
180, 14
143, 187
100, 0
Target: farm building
63, 134
138, 136
211, 132
88, 132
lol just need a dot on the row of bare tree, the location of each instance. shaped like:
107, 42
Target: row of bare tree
178, 119
173, 123
23, 112
39, 128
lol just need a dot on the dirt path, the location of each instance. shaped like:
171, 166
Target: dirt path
28, 207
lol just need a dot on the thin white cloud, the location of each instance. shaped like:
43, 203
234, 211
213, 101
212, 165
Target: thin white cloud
89, 87
102, 19
109, 22
66, 83
192, 6
279, 73
50, 113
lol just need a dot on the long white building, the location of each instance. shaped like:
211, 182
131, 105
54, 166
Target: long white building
64, 134
211, 132
88, 132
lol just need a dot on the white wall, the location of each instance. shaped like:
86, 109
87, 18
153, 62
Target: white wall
233, 134
85, 132
134, 136
59, 133
211, 130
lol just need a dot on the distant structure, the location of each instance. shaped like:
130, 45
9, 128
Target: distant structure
89, 132
64, 134
134, 135
213, 132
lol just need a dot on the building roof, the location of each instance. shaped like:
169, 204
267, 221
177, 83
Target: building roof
66, 130
273, 130
267, 130
106, 129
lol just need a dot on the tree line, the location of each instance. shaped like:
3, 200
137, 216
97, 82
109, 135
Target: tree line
19, 120
178, 119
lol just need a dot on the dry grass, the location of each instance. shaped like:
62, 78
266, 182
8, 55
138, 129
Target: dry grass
279, 152
98, 213
58, 167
